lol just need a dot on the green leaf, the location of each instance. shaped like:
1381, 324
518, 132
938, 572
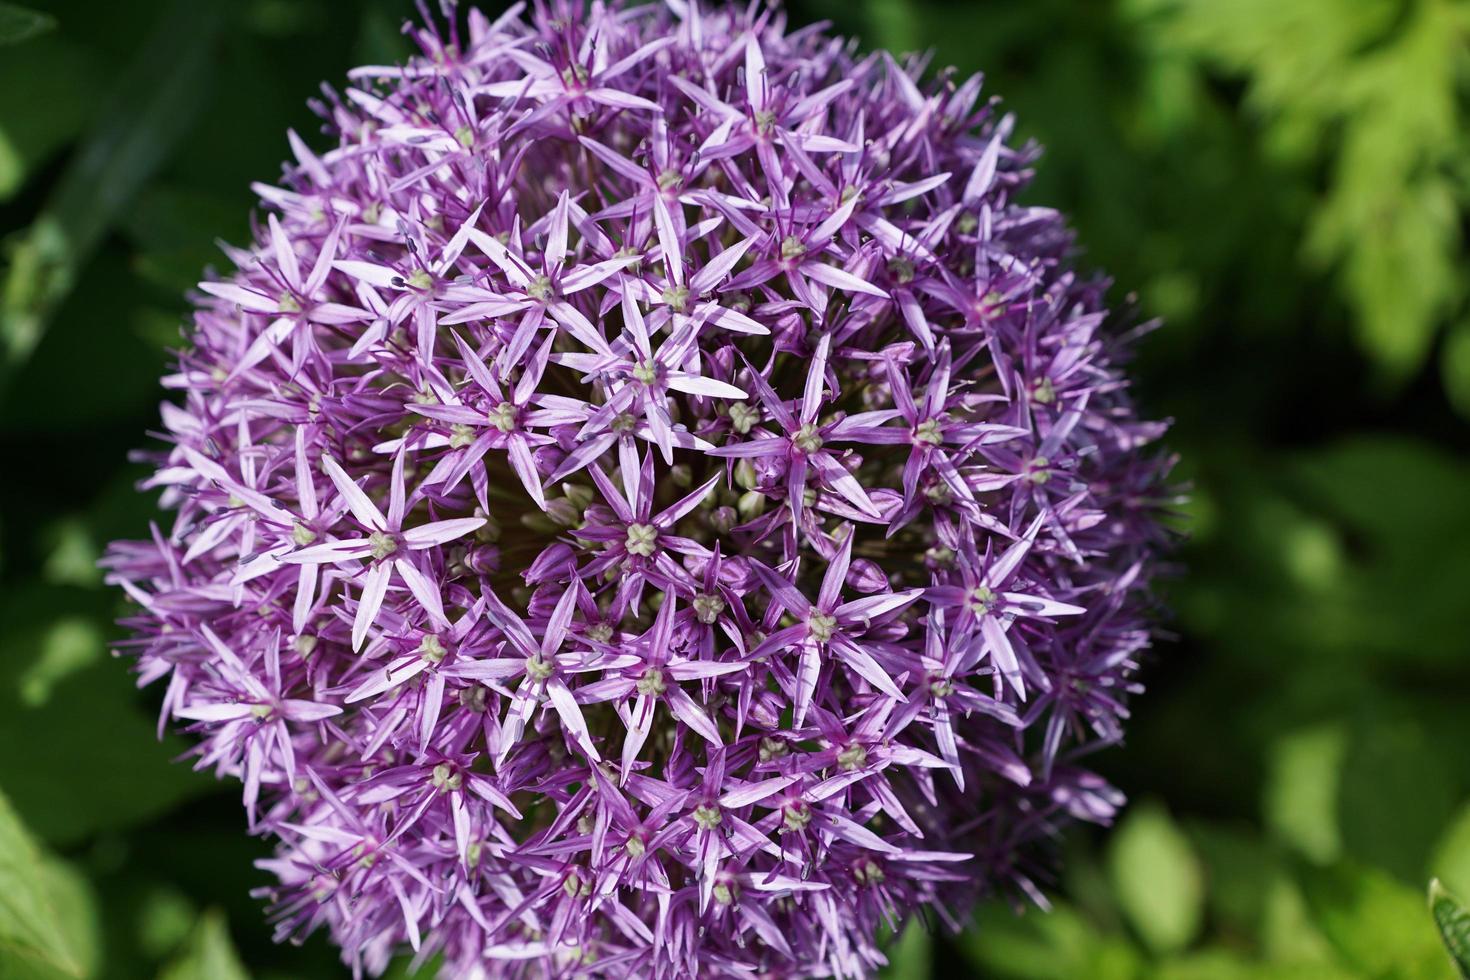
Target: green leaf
1451, 860
910, 956
1038, 945
1399, 787
35, 941
1454, 364
1376, 923
209, 954
1377, 80
1454, 925
75, 902
19, 24
147, 111
63, 700
1157, 878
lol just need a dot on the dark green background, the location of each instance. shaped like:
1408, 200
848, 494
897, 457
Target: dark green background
1284, 181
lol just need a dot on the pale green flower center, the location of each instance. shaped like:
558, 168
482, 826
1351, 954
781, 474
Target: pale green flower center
796, 816
676, 298
538, 669
652, 683
302, 535
432, 650
707, 816
641, 539
929, 431
743, 417
540, 288
981, 600
460, 435
381, 544
821, 625
446, 778
808, 438
645, 372
852, 757
707, 608
792, 247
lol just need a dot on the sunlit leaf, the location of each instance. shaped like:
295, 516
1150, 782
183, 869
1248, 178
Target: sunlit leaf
1157, 877
34, 939
208, 955
1454, 925
1376, 923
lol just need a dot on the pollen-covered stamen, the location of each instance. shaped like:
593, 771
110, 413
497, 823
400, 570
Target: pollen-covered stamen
642, 540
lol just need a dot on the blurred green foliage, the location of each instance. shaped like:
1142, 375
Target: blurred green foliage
1286, 182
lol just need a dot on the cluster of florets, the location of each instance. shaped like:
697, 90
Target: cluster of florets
650, 503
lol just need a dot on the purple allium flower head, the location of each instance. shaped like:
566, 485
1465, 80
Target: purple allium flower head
650, 503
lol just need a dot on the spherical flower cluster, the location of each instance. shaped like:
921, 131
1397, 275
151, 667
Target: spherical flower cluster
649, 503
